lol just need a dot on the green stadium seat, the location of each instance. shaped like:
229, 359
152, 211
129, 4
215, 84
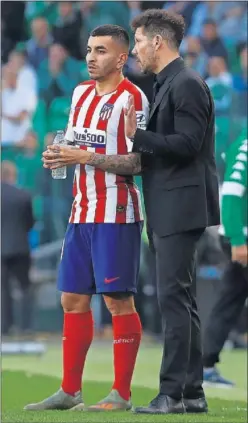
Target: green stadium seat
8, 153
84, 71
233, 59
40, 121
58, 113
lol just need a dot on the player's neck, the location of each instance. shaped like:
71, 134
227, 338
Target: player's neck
109, 85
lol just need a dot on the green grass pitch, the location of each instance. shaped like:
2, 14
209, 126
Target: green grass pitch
29, 379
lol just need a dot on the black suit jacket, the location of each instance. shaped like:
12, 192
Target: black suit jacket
180, 182
17, 220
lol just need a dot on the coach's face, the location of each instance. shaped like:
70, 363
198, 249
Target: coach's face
105, 56
145, 51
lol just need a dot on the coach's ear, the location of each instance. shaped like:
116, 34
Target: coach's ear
157, 42
122, 60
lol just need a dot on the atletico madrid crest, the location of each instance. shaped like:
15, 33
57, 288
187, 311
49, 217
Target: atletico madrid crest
106, 111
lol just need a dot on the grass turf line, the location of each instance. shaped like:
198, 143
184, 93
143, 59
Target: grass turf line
20, 388
99, 367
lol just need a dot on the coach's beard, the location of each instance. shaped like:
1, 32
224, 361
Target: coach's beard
145, 70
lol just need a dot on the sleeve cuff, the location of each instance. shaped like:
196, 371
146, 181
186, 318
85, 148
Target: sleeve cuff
238, 240
139, 142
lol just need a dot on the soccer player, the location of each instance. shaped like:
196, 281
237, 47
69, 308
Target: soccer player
233, 288
101, 249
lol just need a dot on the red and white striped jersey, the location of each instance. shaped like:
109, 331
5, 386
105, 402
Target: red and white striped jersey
97, 124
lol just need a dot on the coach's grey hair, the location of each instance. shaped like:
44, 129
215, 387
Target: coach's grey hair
168, 25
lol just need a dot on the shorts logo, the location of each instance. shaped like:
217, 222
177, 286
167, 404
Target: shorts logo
106, 280
106, 111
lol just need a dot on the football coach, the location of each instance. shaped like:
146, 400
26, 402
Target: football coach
180, 186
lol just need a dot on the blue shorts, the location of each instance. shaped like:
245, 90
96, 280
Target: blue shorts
100, 258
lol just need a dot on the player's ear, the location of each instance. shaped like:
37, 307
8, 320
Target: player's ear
122, 60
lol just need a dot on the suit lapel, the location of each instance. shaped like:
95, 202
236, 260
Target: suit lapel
164, 88
178, 66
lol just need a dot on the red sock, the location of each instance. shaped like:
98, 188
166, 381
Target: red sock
127, 335
77, 337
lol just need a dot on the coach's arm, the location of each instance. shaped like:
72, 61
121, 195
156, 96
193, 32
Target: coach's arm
192, 110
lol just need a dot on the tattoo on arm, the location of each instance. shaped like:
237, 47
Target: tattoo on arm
126, 164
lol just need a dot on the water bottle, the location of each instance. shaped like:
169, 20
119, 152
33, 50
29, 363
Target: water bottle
61, 172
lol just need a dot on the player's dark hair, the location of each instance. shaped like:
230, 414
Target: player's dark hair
169, 26
115, 31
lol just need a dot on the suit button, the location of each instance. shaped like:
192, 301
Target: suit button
141, 149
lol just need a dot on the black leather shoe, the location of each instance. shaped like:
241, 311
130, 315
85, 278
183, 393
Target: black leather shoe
162, 404
198, 405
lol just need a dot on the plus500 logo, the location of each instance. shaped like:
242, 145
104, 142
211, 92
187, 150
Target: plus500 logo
90, 139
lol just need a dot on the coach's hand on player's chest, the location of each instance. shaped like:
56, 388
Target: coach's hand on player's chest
57, 156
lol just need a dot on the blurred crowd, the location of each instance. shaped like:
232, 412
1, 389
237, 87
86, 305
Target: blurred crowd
43, 45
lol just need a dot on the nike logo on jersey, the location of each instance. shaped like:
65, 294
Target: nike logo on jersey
106, 280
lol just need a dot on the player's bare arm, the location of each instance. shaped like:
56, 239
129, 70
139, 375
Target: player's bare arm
126, 164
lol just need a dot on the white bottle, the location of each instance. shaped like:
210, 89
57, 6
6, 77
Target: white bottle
61, 172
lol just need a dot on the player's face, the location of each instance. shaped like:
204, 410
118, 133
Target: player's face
144, 51
104, 57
